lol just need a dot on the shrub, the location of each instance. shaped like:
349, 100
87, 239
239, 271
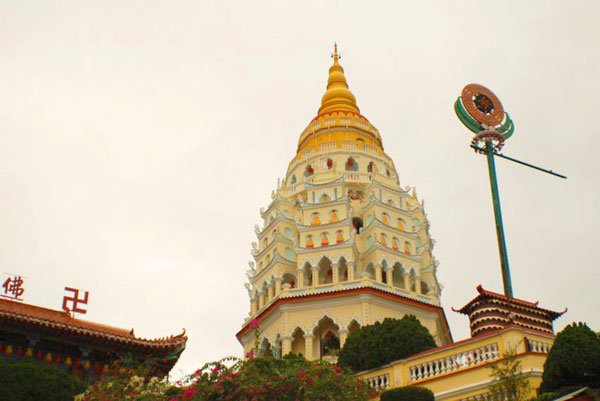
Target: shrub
289, 378
378, 344
408, 394
573, 360
30, 380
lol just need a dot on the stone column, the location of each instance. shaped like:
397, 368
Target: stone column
418, 284
335, 268
261, 300
270, 292
343, 337
378, 269
315, 276
389, 275
278, 281
308, 346
407, 283
253, 306
350, 267
286, 345
300, 278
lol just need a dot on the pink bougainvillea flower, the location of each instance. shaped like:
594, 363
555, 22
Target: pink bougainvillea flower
216, 369
250, 354
187, 394
253, 324
301, 374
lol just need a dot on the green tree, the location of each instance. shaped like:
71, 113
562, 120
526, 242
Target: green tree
375, 345
408, 393
573, 360
30, 380
508, 381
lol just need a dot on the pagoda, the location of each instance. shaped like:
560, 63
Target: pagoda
342, 244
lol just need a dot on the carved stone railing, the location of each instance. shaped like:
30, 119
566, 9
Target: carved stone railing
380, 382
451, 363
537, 346
357, 177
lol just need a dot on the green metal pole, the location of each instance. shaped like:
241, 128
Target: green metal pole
489, 147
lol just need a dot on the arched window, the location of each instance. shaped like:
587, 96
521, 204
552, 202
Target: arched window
339, 237
390, 202
266, 242
293, 180
268, 259
383, 239
286, 213
418, 242
395, 243
288, 233
370, 167
315, 219
308, 171
424, 288
386, 219
324, 239
415, 225
325, 198
369, 242
407, 248
333, 217
351, 164
289, 254
369, 219
309, 241
260, 266
401, 224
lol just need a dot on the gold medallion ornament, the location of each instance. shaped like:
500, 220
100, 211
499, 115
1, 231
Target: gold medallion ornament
482, 104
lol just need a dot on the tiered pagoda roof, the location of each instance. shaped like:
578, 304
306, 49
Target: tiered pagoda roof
491, 311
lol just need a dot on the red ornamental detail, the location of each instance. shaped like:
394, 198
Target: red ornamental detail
39, 355
329, 163
309, 169
12, 288
75, 300
355, 223
350, 162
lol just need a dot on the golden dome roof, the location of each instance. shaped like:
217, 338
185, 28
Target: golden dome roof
337, 96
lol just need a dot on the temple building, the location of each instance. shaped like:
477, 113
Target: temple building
79, 347
342, 243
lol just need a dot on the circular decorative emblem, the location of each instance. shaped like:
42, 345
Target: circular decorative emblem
482, 104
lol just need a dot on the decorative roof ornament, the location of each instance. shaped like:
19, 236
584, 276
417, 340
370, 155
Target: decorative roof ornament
482, 113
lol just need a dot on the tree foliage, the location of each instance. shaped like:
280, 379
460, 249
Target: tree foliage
30, 380
408, 393
289, 378
375, 345
574, 359
508, 382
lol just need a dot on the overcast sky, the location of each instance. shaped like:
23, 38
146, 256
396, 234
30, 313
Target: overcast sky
138, 140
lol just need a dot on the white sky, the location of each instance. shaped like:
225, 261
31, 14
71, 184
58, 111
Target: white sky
139, 139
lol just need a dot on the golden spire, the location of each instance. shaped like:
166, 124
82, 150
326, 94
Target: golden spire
337, 96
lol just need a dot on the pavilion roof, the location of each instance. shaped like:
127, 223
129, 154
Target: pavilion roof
37, 318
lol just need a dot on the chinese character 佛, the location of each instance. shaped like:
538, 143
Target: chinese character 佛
13, 287
75, 300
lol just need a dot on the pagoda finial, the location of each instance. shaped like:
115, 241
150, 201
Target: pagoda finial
337, 96
335, 54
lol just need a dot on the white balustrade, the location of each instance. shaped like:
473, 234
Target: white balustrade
292, 189
324, 147
538, 346
370, 148
308, 152
357, 177
381, 382
427, 370
349, 145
